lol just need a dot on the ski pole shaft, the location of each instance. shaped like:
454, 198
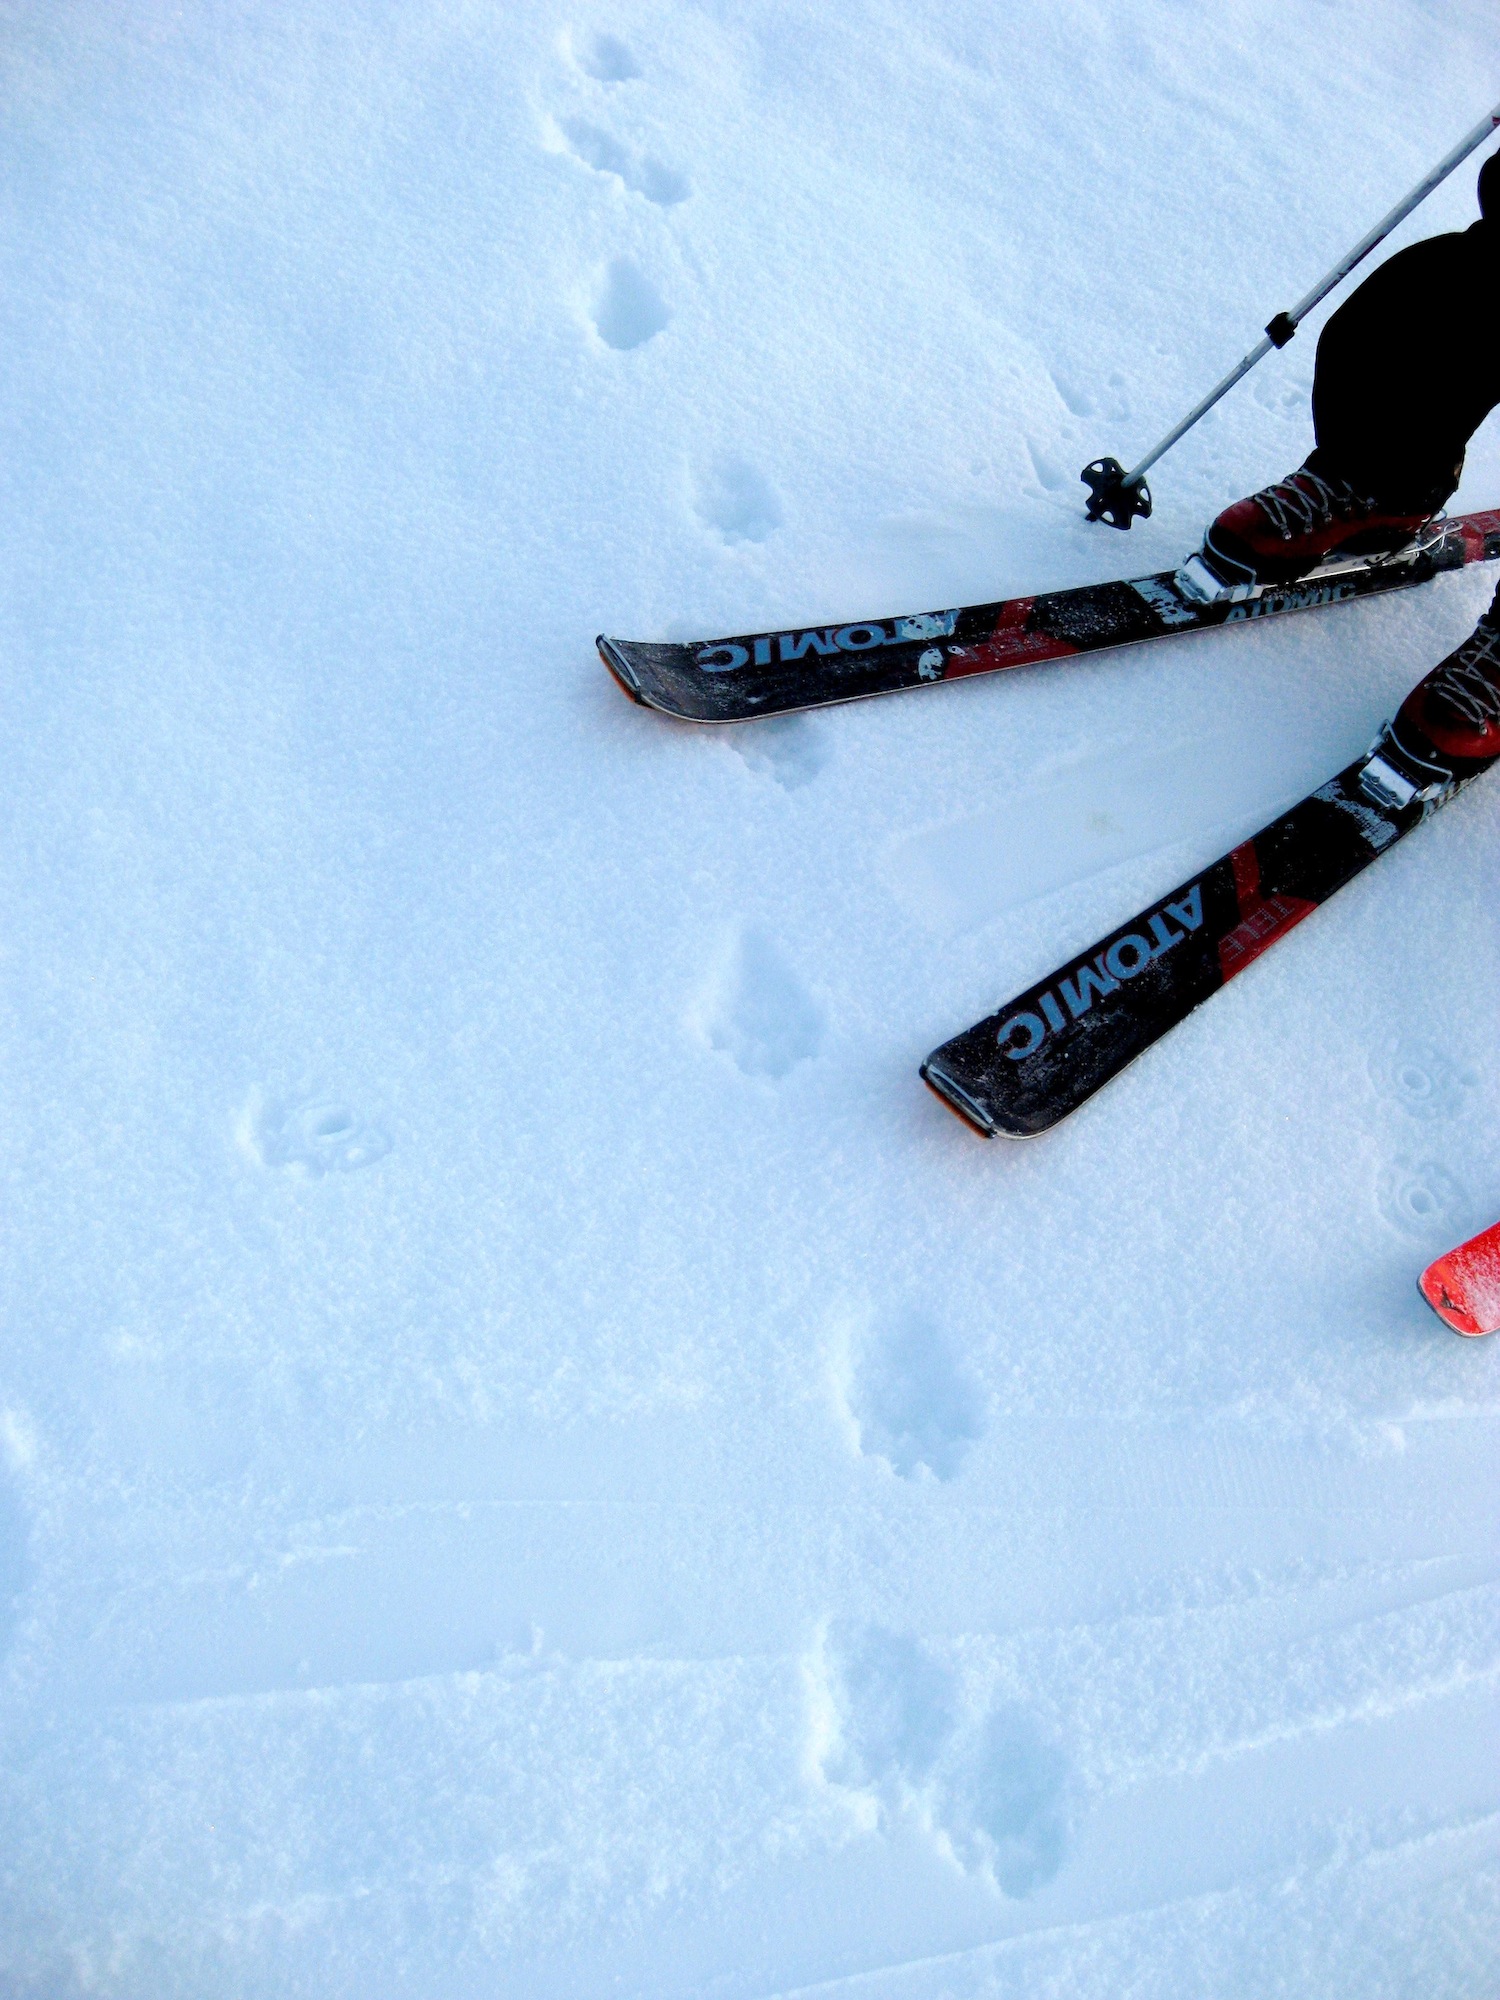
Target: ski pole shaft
1399, 213
1257, 353
1119, 496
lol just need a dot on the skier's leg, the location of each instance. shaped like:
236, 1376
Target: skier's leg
1385, 427
1406, 371
1384, 462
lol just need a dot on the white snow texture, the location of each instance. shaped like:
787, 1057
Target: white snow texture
535, 1459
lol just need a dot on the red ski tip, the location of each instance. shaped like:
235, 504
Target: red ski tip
1463, 1287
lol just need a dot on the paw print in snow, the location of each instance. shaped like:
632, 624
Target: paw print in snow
1422, 1079
608, 60
629, 310
1416, 1195
911, 1400
638, 172
889, 1724
756, 1011
892, 1707
310, 1136
788, 748
1002, 1807
737, 502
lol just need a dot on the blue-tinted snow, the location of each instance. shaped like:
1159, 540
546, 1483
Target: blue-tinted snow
534, 1459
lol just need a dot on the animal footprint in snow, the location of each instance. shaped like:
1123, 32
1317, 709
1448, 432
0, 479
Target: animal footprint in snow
1415, 1195
757, 1012
310, 1136
1422, 1080
788, 748
889, 1708
887, 1721
910, 1400
737, 502
1046, 466
1001, 1802
607, 59
1077, 400
629, 310
638, 172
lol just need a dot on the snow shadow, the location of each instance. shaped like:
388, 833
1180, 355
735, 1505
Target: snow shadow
1094, 813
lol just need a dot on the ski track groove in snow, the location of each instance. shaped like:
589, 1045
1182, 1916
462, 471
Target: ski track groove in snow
875, 1976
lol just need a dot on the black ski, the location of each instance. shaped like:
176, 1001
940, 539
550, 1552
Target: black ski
771, 673
1026, 1067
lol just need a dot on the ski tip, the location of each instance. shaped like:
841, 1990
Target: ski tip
621, 668
957, 1100
1433, 1285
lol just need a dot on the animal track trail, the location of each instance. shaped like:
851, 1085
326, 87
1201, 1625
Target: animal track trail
309, 1135
755, 1010
640, 173
628, 310
910, 1400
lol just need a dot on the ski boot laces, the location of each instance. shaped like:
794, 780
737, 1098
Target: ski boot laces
1470, 682
1306, 501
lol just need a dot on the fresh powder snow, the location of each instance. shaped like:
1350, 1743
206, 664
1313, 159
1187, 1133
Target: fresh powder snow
535, 1459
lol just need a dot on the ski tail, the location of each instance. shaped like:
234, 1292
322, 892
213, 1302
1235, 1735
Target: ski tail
1463, 1286
619, 665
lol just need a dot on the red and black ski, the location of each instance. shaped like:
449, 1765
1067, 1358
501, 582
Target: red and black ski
771, 673
1023, 1069
1463, 1288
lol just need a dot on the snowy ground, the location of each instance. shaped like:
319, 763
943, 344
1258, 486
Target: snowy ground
534, 1458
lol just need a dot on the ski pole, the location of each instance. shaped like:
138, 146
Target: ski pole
1118, 496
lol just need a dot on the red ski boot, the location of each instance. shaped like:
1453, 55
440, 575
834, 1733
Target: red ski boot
1455, 711
1282, 532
